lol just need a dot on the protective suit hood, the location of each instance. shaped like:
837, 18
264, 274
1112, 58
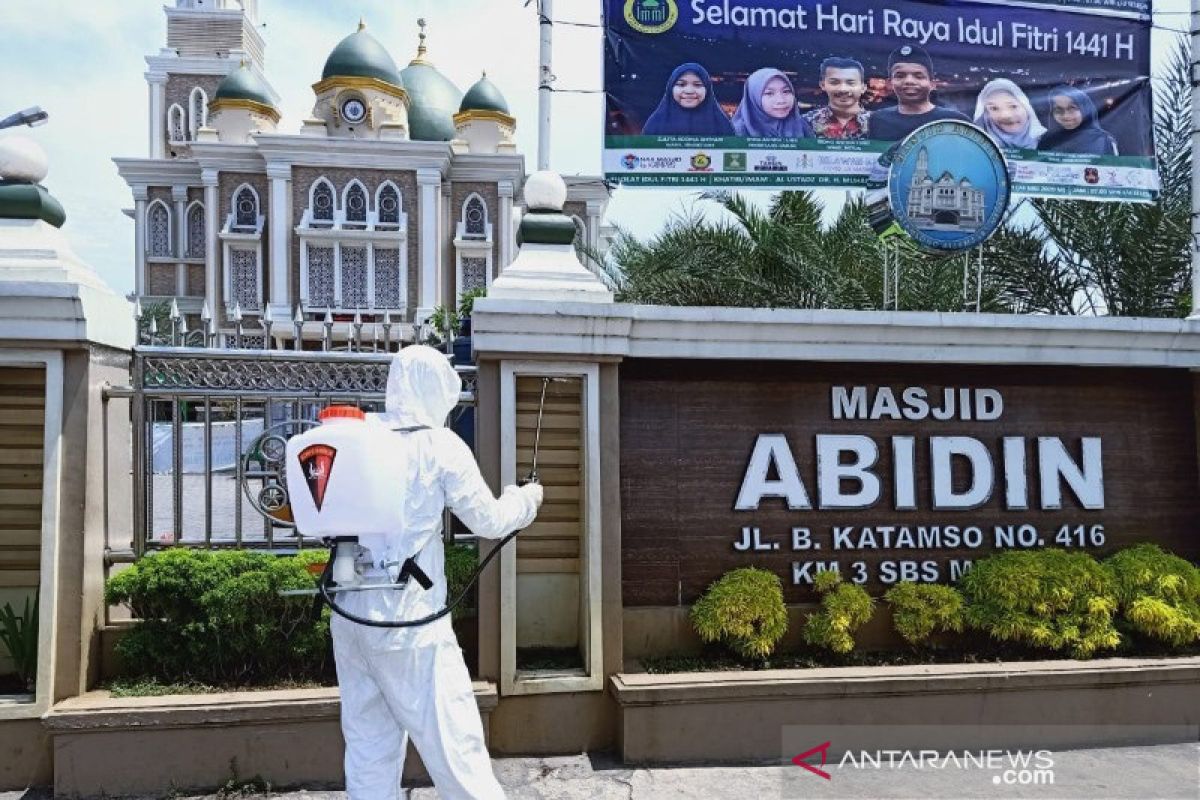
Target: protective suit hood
422, 389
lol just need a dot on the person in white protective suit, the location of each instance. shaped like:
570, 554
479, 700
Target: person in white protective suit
402, 682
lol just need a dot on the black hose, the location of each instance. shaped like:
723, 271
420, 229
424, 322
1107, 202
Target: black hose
326, 579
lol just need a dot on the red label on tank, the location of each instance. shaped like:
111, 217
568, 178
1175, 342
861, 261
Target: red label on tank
317, 463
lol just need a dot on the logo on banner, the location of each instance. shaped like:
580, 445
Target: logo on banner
651, 16
701, 162
948, 186
770, 164
735, 162
630, 161
317, 463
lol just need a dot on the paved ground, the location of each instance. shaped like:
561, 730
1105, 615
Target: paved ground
1166, 772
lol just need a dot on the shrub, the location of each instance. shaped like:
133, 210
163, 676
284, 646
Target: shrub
1045, 598
743, 609
1158, 593
845, 607
217, 618
921, 609
19, 635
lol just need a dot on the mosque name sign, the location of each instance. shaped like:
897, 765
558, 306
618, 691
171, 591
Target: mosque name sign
893, 472
849, 478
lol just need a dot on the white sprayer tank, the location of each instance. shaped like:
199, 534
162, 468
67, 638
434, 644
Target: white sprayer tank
341, 480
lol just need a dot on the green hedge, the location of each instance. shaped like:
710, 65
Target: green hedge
217, 618
1049, 601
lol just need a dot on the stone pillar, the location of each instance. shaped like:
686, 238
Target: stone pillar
140, 195
547, 268
65, 331
503, 227
429, 182
212, 223
281, 239
595, 209
158, 113
179, 194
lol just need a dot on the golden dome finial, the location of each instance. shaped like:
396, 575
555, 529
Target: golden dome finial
421, 48
362, 24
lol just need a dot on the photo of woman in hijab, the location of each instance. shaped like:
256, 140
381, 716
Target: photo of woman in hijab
688, 107
1006, 114
768, 109
1075, 125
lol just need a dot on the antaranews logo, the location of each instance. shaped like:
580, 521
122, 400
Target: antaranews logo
651, 16
1007, 767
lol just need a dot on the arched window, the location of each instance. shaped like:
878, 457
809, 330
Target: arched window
177, 123
321, 204
245, 209
198, 107
474, 217
387, 204
354, 204
195, 230
158, 227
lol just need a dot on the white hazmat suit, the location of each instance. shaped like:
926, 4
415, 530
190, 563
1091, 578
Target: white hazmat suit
402, 682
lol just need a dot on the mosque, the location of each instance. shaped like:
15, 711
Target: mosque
397, 195
946, 203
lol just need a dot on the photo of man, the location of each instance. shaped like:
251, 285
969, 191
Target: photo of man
910, 75
843, 80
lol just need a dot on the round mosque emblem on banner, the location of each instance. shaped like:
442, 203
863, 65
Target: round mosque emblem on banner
948, 186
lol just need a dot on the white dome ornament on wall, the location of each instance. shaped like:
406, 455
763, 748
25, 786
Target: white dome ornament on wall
23, 160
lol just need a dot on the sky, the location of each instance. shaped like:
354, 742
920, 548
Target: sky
84, 62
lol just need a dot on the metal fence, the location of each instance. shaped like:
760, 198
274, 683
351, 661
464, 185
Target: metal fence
199, 464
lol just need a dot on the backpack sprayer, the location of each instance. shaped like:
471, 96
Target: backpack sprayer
347, 557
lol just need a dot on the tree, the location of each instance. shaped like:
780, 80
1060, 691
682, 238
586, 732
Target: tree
1123, 259
785, 257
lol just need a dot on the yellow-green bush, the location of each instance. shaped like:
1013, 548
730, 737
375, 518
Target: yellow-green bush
1046, 598
920, 609
1158, 593
845, 608
743, 609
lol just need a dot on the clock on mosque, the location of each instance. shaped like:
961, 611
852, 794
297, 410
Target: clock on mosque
354, 110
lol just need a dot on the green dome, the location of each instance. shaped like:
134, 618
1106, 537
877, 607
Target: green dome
360, 55
484, 96
433, 101
244, 84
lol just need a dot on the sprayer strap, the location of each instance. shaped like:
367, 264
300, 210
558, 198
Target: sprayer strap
409, 569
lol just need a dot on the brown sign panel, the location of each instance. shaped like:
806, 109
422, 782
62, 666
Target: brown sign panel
893, 472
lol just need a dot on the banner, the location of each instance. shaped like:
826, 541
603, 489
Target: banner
797, 93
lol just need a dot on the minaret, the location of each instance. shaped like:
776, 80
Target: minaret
922, 171
206, 40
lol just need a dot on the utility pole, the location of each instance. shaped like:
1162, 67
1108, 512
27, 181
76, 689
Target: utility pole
1195, 29
546, 78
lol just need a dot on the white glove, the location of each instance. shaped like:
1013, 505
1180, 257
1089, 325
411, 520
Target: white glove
534, 492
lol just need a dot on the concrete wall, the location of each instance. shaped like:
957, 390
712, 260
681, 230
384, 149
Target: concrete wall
740, 717
25, 758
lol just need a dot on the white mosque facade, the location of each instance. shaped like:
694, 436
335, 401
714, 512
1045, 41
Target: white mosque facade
945, 203
398, 194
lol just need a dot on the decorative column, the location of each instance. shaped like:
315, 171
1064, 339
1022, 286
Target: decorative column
447, 286
594, 209
504, 227
212, 214
140, 195
158, 113
429, 182
280, 239
179, 194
